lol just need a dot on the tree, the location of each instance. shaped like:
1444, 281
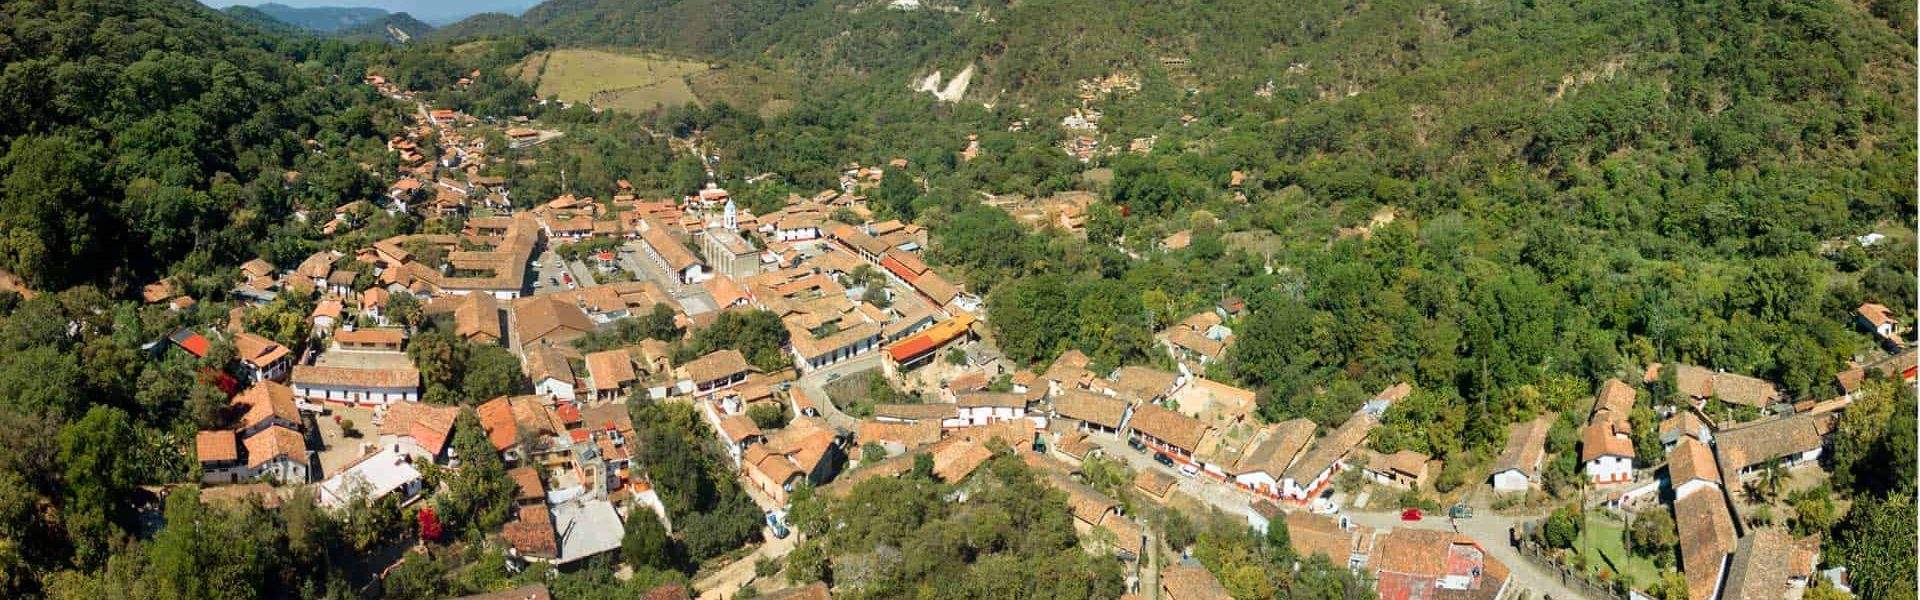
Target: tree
1655, 536
1562, 527
491, 372
646, 543
768, 416
479, 495
100, 476
1875, 542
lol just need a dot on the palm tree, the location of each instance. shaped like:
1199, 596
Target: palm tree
1772, 478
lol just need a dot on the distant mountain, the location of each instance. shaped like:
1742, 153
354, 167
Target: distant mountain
324, 19
396, 27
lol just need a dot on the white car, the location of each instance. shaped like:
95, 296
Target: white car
1189, 470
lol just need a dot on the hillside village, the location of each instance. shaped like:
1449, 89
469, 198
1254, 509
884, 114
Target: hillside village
860, 309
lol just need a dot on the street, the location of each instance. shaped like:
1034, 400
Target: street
727, 580
635, 258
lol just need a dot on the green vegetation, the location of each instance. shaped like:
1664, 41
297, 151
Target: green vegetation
899, 537
608, 79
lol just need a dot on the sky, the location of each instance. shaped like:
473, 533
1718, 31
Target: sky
437, 12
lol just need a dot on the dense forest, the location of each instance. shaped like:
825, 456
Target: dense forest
1502, 203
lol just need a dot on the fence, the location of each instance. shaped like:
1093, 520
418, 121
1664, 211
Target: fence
1569, 577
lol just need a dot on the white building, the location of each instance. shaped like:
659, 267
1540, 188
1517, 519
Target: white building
389, 471
364, 387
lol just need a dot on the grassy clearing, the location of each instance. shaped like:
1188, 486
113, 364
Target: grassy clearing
1608, 548
767, 92
623, 81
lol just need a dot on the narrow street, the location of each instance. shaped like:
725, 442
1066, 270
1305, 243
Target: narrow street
723, 583
814, 384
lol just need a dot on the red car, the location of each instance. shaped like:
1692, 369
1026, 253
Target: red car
1411, 514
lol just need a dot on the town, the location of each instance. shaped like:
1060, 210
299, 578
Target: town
859, 309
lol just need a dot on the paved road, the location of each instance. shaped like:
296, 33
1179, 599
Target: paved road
815, 386
692, 298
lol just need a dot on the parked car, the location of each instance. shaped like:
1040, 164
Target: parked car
1412, 514
1189, 470
1137, 444
1460, 511
776, 522
1162, 459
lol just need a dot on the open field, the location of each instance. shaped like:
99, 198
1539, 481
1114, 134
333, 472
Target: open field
1605, 545
621, 81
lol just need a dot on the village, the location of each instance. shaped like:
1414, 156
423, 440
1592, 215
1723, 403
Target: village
859, 303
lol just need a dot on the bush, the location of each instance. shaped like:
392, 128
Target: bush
1562, 527
768, 416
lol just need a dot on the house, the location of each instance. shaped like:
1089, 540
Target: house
418, 429
807, 450
922, 347
551, 373
477, 319
612, 373
1787, 441
1190, 582
1769, 564
1315, 469
1703, 384
1337, 538
1683, 424
670, 254
1144, 384
985, 408
1382, 401
914, 413
278, 453
1518, 467
370, 340
718, 370
360, 386
1707, 538
1091, 412
326, 313
266, 404
1427, 564
1606, 452
1404, 469
1691, 468
387, 472
518, 425
545, 319
1269, 453
219, 454
1167, 432
261, 359
740, 432
1878, 319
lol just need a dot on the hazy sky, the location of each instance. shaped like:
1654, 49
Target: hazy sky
431, 11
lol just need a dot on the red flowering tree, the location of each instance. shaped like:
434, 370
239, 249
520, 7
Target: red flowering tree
429, 525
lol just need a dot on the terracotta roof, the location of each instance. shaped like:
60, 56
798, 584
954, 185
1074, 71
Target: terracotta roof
527, 481
989, 399
914, 412
927, 339
257, 350
372, 336
1195, 342
1145, 383
1876, 314
1395, 392
1273, 449
1762, 566
257, 268
532, 533
677, 257
1413, 559
1312, 534
274, 442
503, 418
815, 591
266, 400
216, 446
526, 592
1850, 379
610, 369
1405, 462
429, 425
398, 377
1744, 390
1333, 447
611, 415
1154, 483
1767, 440
1683, 423
671, 591
1706, 537
715, 365
1598, 440
1168, 426
1615, 397
910, 435
739, 428
477, 315
1526, 447
542, 316
1181, 582
1689, 460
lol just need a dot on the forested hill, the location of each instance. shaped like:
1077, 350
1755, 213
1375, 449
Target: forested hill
325, 19
151, 136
